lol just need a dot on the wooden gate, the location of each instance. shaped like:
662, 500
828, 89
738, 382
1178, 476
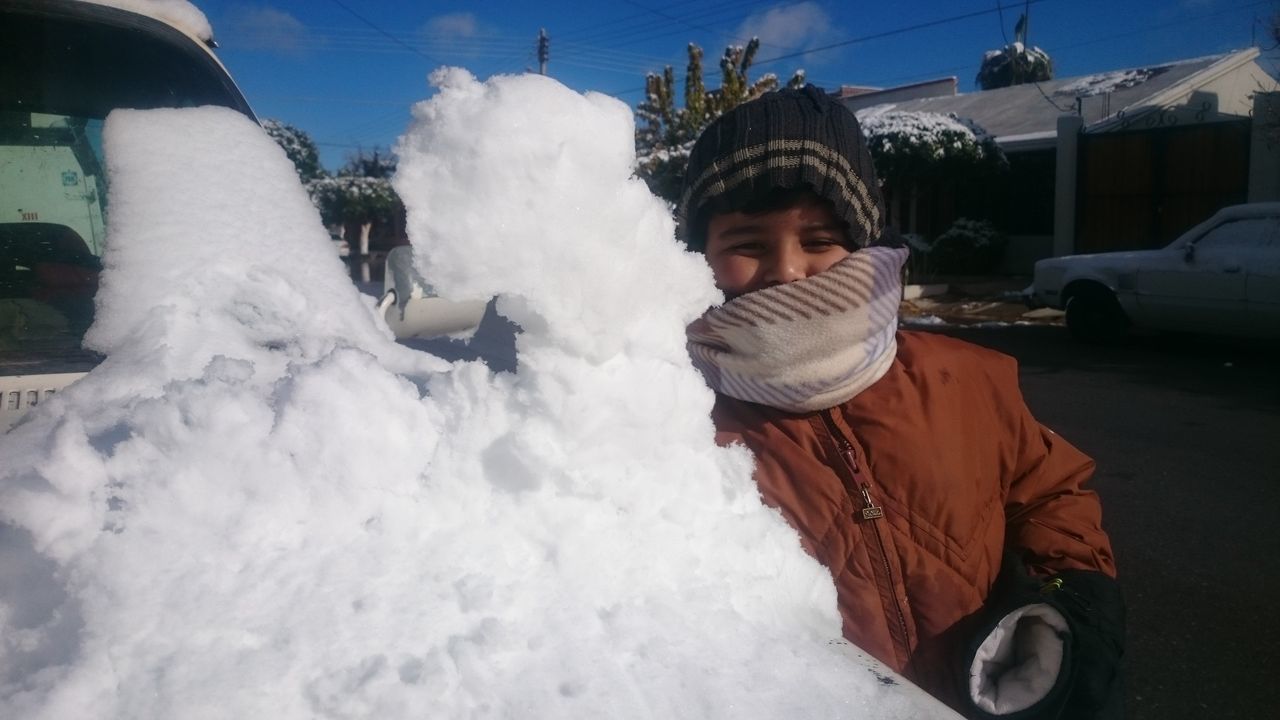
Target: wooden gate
1141, 189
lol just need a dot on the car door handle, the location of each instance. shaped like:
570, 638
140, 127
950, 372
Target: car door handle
1231, 269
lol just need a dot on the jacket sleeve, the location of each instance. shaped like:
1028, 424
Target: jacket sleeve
1051, 518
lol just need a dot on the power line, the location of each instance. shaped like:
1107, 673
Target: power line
645, 32
889, 33
732, 7
864, 38
393, 38
1026, 44
958, 70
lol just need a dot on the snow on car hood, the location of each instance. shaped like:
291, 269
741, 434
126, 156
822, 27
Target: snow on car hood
1116, 260
260, 507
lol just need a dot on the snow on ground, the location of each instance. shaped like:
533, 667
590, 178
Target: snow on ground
259, 506
921, 320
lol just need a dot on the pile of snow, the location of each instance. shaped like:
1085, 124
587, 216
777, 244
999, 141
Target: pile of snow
261, 507
179, 13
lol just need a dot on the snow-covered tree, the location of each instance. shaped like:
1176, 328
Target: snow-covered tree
1015, 63
299, 146
360, 193
665, 133
373, 164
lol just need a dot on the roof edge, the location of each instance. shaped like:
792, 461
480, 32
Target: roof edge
1215, 70
1042, 140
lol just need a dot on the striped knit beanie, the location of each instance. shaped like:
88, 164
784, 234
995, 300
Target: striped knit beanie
787, 139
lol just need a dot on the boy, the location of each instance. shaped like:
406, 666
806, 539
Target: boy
908, 462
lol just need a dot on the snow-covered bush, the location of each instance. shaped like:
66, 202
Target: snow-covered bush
910, 146
299, 146
968, 247
352, 198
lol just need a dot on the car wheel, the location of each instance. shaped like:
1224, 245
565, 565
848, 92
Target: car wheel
1095, 316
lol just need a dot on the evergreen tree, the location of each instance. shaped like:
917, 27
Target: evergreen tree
665, 134
298, 146
375, 164
1015, 63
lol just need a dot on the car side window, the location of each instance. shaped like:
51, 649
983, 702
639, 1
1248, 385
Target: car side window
1243, 233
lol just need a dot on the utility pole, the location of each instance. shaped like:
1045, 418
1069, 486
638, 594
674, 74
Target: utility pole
544, 51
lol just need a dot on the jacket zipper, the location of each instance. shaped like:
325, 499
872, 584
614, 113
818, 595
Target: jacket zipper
870, 512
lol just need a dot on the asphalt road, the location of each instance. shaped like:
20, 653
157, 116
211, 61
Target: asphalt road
1186, 434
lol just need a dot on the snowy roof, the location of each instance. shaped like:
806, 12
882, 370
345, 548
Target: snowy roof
178, 13
1022, 111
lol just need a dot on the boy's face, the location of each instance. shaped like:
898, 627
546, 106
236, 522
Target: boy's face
752, 252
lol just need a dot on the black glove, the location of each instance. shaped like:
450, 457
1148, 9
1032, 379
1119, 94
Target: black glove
1047, 649
1095, 608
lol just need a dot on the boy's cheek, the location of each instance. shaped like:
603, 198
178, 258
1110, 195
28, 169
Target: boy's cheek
732, 274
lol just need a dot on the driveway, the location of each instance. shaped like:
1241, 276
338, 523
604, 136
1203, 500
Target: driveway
1186, 433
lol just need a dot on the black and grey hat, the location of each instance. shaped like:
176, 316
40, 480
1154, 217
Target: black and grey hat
786, 139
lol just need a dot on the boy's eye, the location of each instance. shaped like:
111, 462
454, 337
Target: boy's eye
745, 247
821, 243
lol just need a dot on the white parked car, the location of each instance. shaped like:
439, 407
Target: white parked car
1220, 277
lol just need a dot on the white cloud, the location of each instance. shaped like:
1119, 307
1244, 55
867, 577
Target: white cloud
789, 28
458, 37
261, 27
453, 25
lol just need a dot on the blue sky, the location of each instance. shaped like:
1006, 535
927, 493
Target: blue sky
347, 71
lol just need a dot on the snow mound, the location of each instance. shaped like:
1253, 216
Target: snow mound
260, 507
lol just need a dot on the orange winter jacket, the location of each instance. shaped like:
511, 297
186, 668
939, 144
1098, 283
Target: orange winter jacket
910, 492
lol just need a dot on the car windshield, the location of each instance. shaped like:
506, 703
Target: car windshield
67, 66
1242, 233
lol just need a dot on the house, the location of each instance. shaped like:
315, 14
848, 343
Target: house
1120, 160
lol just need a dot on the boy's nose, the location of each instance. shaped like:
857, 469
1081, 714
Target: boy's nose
788, 265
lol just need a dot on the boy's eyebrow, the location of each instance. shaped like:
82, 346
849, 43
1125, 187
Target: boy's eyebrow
749, 228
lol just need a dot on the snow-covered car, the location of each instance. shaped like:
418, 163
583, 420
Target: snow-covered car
412, 309
68, 63
1220, 277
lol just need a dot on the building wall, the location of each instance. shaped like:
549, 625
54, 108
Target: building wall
1264, 151
1235, 90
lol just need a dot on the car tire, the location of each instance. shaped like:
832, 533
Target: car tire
1095, 316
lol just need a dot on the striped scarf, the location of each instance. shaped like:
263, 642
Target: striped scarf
806, 345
